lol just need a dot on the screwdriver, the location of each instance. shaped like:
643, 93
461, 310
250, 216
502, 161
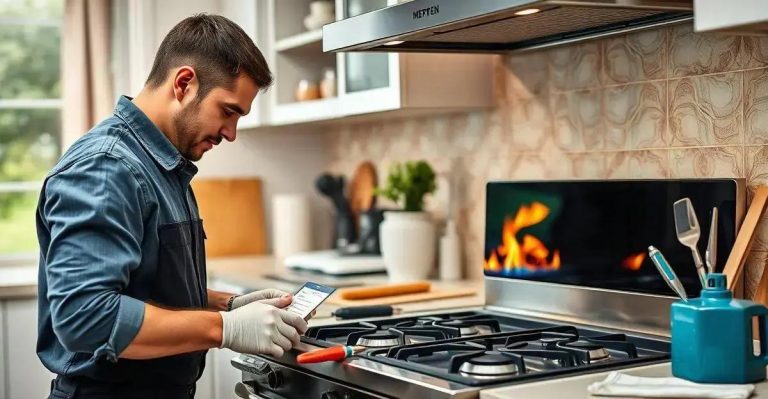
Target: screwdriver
359, 312
334, 353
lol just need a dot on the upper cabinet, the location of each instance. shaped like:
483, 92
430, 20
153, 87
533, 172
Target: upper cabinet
311, 85
740, 17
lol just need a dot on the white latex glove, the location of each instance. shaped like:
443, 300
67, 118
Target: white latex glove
260, 328
270, 296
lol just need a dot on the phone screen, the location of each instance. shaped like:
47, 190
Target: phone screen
309, 297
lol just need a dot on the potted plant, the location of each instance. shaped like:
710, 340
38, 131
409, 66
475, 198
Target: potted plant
408, 235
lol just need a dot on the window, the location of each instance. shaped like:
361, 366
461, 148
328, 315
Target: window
30, 115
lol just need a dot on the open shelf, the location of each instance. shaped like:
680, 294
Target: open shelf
301, 42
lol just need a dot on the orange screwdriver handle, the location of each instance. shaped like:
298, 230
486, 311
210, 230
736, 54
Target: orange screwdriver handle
334, 353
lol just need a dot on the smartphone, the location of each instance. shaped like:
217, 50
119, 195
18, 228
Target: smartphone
308, 298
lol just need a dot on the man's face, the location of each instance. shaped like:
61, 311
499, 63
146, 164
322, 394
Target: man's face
200, 125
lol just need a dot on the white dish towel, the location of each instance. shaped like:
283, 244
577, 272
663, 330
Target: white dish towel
618, 384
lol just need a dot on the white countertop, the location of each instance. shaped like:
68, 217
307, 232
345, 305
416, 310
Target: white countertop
576, 387
18, 281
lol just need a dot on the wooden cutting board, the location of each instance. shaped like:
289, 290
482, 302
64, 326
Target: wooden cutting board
361, 190
392, 300
233, 216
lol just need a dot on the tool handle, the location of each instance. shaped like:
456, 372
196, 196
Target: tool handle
334, 353
760, 312
358, 312
699, 266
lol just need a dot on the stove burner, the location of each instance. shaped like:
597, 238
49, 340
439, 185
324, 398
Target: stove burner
380, 340
490, 364
586, 352
464, 330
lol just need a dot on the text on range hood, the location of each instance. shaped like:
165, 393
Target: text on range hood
496, 26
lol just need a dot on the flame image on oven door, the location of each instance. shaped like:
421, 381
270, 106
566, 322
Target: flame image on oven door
526, 254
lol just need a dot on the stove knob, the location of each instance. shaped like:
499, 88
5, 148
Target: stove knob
275, 379
331, 395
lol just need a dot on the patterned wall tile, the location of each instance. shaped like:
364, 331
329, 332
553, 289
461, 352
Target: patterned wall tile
756, 51
578, 120
588, 165
697, 54
756, 161
649, 164
753, 271
530, 124
707, 162
706, 110
636, 57
576, 67
527, 74
756, 106
635, 116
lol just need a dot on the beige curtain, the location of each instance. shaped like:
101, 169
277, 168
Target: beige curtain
86, 78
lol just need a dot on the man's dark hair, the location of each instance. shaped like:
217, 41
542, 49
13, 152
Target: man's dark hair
216, 48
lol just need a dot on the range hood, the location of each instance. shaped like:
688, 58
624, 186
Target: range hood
496, 26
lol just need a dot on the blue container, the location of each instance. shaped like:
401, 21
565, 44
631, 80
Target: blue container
712, 337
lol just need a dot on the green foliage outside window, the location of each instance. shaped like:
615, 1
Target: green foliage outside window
30, 37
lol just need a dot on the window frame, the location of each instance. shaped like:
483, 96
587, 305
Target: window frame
20, 258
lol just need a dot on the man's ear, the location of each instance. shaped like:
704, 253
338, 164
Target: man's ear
185, 83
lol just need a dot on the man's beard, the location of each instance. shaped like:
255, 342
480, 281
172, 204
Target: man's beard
185, 123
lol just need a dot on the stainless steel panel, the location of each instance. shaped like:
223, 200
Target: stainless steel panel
492, 26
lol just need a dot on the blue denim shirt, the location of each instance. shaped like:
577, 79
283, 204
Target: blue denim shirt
116, 224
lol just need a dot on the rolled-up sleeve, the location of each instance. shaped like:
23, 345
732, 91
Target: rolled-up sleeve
93, 211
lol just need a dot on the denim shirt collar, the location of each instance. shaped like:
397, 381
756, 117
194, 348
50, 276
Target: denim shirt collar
151, 138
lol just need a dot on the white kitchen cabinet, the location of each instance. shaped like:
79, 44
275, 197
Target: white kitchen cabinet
25, 375
743, 16
366, 83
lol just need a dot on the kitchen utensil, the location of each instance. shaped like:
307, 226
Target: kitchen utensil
666, 271
688, 232
433, 295
233, 215
368, 242
734, 267
711, 253
379, 291
361, 189
333, 188
332, 354
359, 312
712, 337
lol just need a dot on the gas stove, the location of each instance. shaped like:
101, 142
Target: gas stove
445, 355
569, 289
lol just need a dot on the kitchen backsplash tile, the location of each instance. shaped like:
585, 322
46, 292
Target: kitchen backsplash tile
693, 54
701, 162
665, 103
636, 57
706, 110
756, 106
635, 116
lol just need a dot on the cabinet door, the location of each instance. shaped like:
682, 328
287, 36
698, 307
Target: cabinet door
27, 378
369, 82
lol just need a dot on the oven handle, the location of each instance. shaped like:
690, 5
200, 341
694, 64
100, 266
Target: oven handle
246, 392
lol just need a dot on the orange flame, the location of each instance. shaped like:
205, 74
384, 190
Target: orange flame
633, 262
530, 254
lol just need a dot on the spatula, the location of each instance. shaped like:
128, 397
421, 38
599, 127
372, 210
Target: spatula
688, 232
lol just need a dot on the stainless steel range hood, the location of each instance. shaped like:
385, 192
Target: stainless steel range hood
496, 26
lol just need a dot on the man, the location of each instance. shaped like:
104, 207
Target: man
124, 311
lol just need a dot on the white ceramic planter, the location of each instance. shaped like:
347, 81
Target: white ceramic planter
407, 245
